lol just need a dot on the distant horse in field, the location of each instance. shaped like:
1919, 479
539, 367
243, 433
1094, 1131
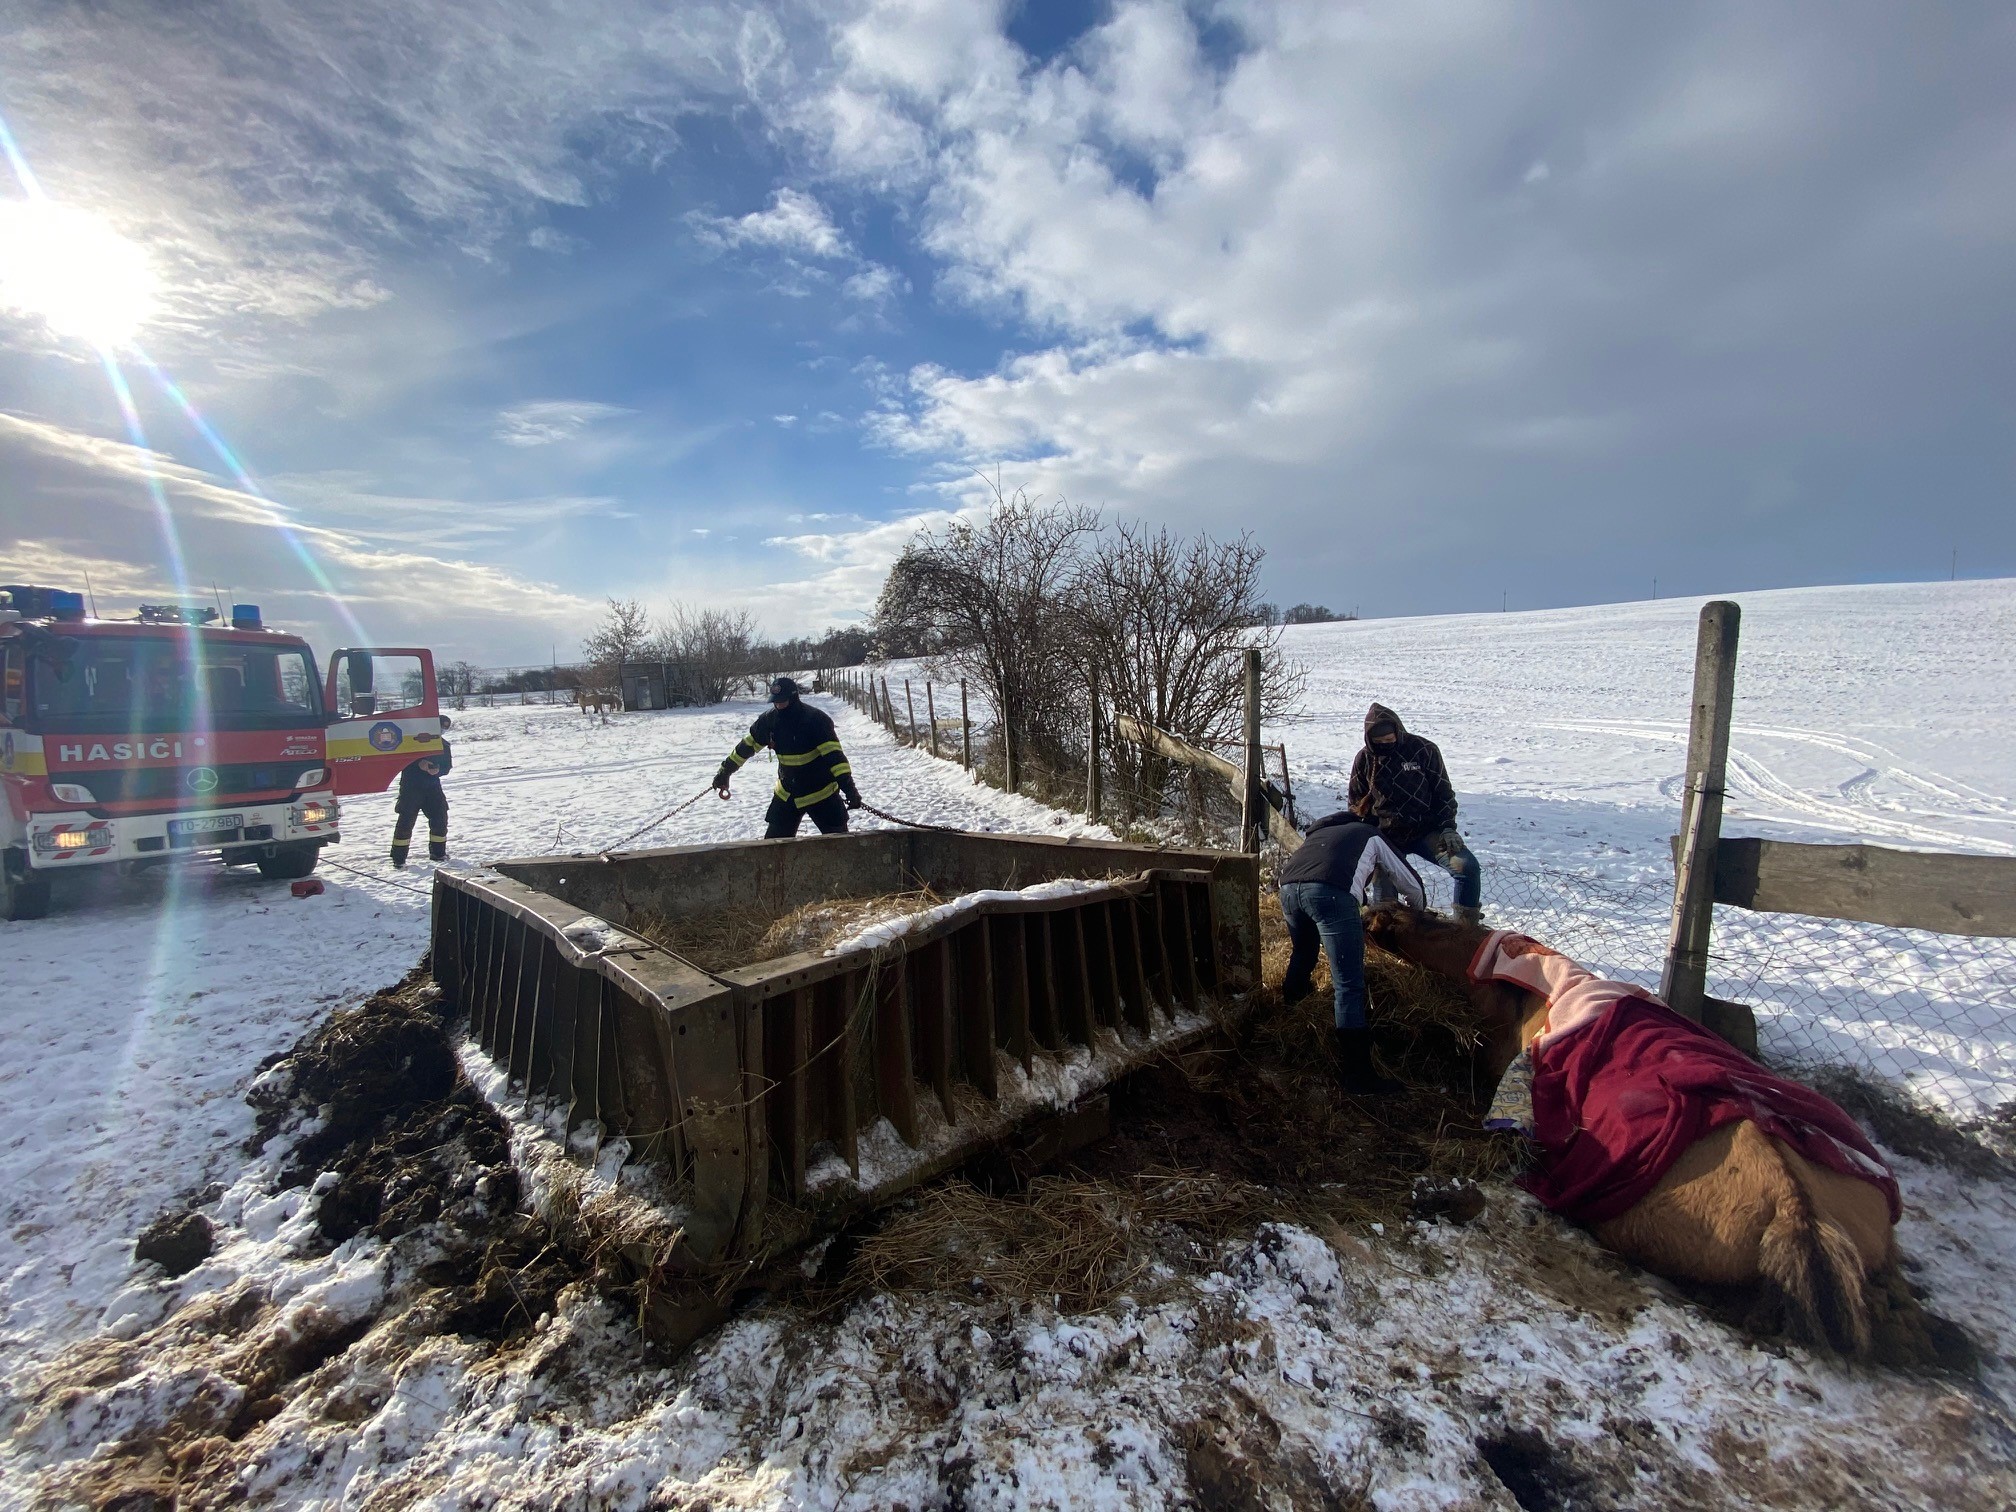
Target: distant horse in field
597, 701
1676, 1150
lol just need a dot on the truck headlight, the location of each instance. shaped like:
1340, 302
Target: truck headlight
71, 792
316, 812
63, 841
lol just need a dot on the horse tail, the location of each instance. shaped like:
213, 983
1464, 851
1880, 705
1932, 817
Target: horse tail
1811, 1272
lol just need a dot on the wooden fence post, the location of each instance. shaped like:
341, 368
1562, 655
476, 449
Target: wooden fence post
1092, 793
888, 714
1252, 815
931, 709
910, 703
1684, 982
965, 726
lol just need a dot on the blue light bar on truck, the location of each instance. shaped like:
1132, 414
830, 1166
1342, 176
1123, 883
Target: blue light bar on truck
246, 617
33, 601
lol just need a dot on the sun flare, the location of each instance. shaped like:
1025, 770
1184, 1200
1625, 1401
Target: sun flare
70, 269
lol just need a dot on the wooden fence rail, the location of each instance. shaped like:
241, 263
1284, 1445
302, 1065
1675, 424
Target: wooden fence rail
1869, 884
1132, 730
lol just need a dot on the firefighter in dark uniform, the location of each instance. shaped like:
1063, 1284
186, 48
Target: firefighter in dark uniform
420, 793
813, 776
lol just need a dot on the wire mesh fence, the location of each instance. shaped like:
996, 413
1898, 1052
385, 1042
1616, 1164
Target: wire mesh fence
1932, 1014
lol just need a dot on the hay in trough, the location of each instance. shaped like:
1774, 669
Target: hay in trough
728, 938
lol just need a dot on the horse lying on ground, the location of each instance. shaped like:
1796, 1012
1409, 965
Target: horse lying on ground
1675, 1149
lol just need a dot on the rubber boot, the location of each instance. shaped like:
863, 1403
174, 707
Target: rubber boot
1355, 1075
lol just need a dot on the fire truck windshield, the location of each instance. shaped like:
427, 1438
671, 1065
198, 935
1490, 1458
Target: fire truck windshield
163, 683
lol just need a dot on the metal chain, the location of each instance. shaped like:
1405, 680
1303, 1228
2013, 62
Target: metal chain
368, 877
647, 828
943, 829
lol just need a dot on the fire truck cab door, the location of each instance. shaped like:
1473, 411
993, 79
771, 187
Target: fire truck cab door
384, 715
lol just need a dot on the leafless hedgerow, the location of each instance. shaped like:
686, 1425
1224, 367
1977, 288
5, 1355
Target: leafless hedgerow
717, 647
992, 599
1037, 602
1163, 620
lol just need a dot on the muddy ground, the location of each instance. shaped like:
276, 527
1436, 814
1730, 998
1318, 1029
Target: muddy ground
384, 1134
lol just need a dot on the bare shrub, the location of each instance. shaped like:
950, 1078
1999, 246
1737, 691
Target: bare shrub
992, 599
716, 648
621, 637
1165, 620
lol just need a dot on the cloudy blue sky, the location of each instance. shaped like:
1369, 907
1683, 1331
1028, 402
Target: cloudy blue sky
504, 308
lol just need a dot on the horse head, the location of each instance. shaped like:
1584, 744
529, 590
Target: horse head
1442, 945
1447, 947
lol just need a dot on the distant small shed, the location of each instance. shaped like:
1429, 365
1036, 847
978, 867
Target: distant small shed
660, 685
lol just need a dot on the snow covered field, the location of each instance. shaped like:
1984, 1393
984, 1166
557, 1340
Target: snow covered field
1880, 714
135, 1019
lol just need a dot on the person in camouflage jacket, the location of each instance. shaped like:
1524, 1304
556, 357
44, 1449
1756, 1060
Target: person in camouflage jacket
1399, 783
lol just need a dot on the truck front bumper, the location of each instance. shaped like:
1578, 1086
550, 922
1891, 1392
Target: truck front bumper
68, 841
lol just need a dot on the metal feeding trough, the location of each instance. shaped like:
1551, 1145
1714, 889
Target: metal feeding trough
783, 1095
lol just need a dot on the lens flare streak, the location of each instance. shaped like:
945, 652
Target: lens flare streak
171, 540
275, 516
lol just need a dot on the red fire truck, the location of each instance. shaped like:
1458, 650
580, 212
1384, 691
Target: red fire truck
179, 733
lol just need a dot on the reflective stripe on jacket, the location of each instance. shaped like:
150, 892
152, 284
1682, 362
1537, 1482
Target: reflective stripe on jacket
811, 767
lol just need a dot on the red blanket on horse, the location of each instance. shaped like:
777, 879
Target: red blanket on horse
1622, 1085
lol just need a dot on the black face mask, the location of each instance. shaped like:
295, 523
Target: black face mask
1377, 737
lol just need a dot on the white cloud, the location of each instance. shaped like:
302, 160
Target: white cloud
793, 222
875, 284
270, 157
321, 579
545, 422
848, 565
1313, 281
797, 227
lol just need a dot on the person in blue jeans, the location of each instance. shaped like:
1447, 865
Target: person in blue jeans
1340, 864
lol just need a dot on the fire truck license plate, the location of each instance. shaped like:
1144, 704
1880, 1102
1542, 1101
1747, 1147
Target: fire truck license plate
208, 825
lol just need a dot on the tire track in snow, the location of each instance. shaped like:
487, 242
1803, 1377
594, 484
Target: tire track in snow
1859, 810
